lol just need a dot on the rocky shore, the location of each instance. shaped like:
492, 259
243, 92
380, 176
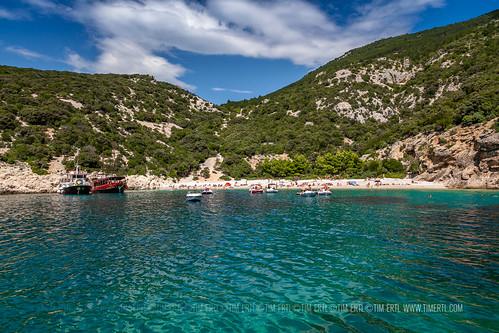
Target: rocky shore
462, 157
18, 178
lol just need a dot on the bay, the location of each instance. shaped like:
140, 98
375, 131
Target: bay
150, 261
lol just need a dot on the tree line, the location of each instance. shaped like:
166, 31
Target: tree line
342, 163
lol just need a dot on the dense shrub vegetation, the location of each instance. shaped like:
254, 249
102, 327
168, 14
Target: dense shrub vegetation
121, 123
341, 164
38, 122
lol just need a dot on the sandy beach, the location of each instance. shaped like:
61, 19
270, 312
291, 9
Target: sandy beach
383, 183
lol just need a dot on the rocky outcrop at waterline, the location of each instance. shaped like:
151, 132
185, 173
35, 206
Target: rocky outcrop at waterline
462, 157
19, 178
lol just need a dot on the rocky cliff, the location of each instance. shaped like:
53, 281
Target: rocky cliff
462, 157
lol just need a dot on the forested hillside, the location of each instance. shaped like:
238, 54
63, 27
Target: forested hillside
119, 123
368, 99
374, 95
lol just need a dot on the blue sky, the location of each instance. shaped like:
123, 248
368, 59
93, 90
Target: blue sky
219, 49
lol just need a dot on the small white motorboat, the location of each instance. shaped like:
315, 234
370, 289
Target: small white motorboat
324, 191
308, 193
207, 191
271, 188
193, 196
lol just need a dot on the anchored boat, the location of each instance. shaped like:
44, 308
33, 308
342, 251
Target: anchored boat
308, 193
75, 182
256, 189
272, 188
324, 191
207, 191
193, 196
109, 184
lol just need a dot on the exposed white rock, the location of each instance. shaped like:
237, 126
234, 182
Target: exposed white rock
127, 111
343, 74
149, 182
320, 103
391, 76
56, 166
94, 128
49, 132
198, 104
23, 123
343, 107
163, 128
18, 178
411, 100
293, 114
75, 104
437, 58
453, 85
212, 164
447, 64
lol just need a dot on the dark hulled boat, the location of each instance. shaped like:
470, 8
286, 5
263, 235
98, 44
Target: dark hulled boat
75, 182
109, 184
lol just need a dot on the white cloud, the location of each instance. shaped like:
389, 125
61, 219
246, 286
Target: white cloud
25, 52
127, 57
5, 14
237, 91
49, 6
132, 34
12, 14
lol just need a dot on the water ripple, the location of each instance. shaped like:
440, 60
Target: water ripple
152, 262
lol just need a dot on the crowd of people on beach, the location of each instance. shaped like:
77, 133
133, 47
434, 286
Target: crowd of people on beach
368, 183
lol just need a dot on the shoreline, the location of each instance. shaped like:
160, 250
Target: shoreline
340, 184
383, 183
20, 179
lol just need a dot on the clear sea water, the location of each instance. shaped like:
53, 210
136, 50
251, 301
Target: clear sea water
151, 262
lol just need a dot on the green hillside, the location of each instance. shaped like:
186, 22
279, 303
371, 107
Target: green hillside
117, 123
375, 95
320, 125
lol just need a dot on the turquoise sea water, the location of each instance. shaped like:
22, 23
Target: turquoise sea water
149, 261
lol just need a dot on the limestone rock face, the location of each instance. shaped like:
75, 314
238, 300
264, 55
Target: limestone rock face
139, 182
18, 178
462, 157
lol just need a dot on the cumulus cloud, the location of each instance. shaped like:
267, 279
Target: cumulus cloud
127, 57
133, 35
